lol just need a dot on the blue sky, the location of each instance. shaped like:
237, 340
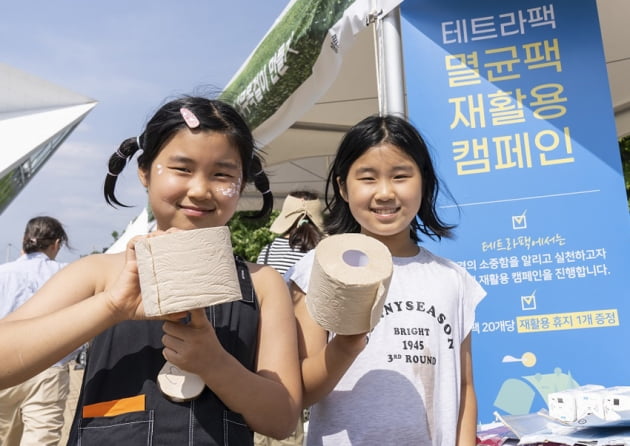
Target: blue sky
130, 57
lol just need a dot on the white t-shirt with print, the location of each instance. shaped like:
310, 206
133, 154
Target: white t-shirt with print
404, 388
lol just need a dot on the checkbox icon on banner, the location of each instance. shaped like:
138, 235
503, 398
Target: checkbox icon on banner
528, 302
519, 221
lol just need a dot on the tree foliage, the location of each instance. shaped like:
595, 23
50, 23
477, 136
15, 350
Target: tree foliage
250, 236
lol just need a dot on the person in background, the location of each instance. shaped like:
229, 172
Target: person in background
299, 228
32, 413
412, 382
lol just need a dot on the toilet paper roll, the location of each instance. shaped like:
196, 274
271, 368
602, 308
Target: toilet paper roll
184, 270
348, 283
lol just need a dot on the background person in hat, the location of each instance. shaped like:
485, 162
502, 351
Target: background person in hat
299, 227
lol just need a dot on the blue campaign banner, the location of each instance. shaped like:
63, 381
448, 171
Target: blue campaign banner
513, 99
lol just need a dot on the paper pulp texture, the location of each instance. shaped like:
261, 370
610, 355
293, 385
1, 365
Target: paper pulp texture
349, 282
185, 270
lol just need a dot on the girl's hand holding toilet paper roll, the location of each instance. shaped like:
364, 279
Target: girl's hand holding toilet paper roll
181, 271
348, 283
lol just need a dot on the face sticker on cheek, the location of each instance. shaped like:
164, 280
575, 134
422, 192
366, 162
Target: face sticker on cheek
159, 169
230, 190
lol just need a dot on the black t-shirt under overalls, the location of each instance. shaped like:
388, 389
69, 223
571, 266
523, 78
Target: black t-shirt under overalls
123, 363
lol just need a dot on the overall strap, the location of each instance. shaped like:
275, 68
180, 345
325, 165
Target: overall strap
236, 323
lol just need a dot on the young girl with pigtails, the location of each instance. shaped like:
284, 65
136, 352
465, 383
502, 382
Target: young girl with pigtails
195, 157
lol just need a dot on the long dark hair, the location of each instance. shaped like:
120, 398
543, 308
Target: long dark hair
370, 132
213, 115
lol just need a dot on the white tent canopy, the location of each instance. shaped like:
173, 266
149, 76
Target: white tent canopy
339, 96
300, 156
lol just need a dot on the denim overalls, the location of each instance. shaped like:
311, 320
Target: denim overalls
122, 368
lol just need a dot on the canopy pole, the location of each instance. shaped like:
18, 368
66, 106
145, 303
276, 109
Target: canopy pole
393, 76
